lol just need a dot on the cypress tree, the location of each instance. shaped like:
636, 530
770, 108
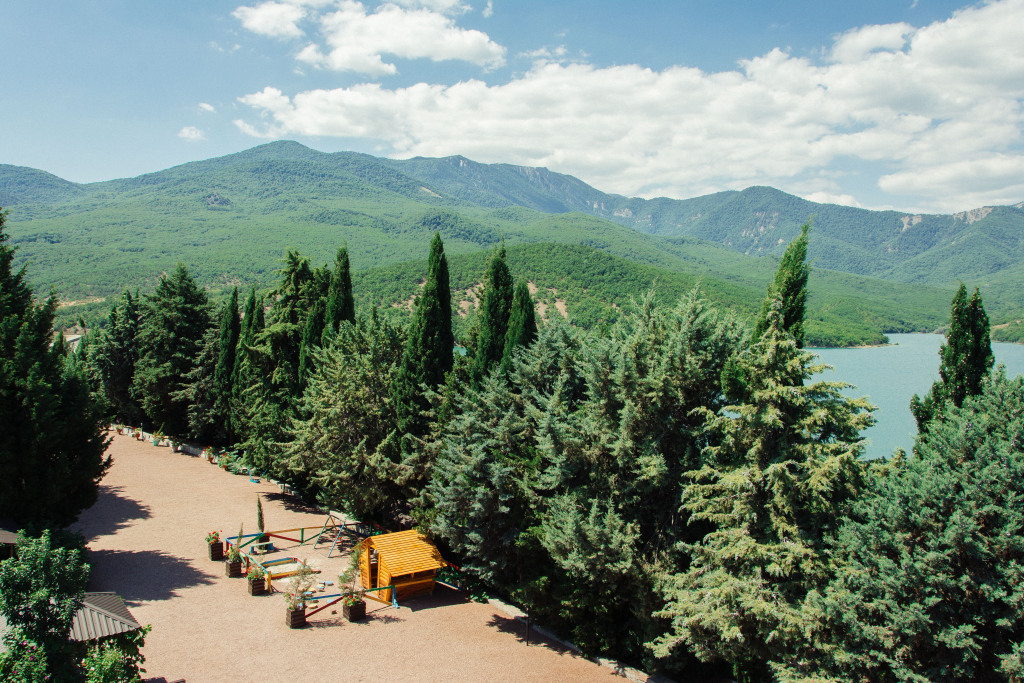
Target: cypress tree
790, 285
430, 347
522, 325
174, 323
230, 330
340, 303
494, 314
311, 338
966, 358
51, 441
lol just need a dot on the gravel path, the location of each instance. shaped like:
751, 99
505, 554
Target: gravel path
146, 539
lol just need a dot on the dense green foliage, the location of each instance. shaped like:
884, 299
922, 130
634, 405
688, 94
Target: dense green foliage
41, 589
175, 320
495, 309
927, 584
790, 289
51, 441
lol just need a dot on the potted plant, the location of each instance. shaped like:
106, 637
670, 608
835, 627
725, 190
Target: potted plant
233, 563
257, 579
138, 433
158, 436
175, 446
295, 597
352, 604
215, 545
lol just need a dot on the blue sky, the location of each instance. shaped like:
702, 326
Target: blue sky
916, 105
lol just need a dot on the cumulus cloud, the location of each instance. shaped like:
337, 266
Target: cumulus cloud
274, 19
357, 40
192, 134
941, 107
204, 106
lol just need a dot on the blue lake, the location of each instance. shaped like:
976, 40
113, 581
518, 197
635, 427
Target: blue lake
889, 375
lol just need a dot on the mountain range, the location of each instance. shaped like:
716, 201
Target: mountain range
230, 220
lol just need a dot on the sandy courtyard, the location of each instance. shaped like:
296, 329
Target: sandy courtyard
146, 539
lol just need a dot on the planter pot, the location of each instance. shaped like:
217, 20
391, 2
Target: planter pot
257, 586
296, 618
232, 569
356, 612
216, 551
175, 447
156, 442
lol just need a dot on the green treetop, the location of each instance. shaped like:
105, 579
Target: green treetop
522, 325
430, 347
966, 358
494, 315
340, 304
174, 322
790, 286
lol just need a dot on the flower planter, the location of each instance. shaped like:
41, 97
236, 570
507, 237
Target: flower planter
257, 586
232, 569
356, 612
216, 551
296, 618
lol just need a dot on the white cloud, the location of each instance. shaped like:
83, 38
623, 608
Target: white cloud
275, 19
204, 106
442, 6
940, 106
357, 40
488, 10
192, 134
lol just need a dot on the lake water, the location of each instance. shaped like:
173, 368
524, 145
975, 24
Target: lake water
890, 375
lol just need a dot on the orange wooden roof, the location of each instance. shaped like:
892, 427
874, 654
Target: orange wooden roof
405, 552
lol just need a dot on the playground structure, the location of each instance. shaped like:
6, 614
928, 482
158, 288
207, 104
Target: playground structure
253, 548
399, 565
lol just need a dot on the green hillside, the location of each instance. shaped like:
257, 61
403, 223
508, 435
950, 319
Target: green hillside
230, 220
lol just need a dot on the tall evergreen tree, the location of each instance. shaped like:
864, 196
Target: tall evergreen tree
430, 347
522, 325
966, 358
312, 335
114, 355
790, 286
174, 323
51, 442
781, 477
340, 302
223, 374
494, 315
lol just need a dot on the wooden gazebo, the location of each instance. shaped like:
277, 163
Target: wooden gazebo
405, 560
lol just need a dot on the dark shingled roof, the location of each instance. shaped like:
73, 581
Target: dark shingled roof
102, 615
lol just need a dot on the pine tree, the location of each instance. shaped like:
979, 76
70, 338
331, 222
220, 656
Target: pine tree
966, 358
494, 315
781, 475
522, 325
340, 302
51, 442
174, 323
790, 285
430, 347
240, 373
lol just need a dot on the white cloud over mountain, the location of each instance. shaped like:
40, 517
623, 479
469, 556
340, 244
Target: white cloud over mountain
940, 108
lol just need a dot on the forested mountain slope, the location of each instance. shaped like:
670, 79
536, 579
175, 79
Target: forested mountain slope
230, 220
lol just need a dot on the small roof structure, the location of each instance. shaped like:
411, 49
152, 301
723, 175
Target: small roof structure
102, 615
407, 552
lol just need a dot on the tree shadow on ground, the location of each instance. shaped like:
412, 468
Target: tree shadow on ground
138, 575
517, 627
112, 511
291, 503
